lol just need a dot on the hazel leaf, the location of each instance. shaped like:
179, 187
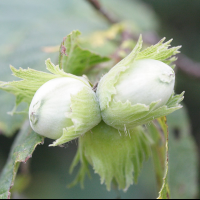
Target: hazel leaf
21, 151
74, 59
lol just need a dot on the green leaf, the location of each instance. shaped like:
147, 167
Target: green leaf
73, 59
114, 155
159, 133
164, 192
21, 151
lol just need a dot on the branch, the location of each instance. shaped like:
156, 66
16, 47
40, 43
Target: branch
188, 66
183, 63
96, 4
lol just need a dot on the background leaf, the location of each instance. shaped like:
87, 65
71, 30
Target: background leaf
183, 158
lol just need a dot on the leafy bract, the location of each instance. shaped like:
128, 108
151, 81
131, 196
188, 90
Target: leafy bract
21, 151
133, 115
119, 155
106, 85
74, 59
115, 155
160, 51
25, 89
85, 115
122, 115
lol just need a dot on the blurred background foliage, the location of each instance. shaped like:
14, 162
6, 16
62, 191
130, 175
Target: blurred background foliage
31, 32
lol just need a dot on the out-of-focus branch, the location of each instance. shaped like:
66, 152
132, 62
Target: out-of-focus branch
183, 63
97, 5
188, 66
